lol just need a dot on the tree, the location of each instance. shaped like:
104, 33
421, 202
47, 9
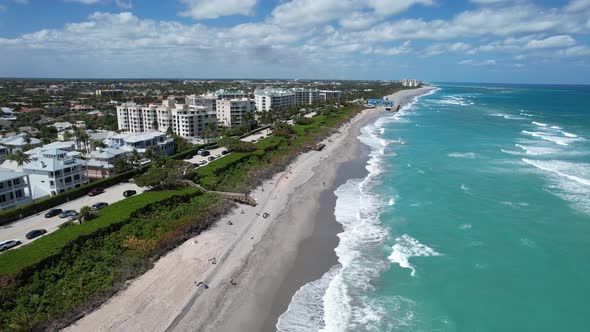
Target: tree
236, 145
155, 124
98, 144
169, 131
180, 143
248, 120
86, 213
20, 157
169, 175
210, 131
122, 165
283, 129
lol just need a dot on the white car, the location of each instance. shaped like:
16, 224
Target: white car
5, 245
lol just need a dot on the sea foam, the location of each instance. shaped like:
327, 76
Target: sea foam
406, 247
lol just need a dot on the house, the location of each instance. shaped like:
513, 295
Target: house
141, 142
15, 189
55, 172
20, 142
102, 162
61, 126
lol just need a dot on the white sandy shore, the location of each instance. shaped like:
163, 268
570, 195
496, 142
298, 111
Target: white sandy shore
166, 297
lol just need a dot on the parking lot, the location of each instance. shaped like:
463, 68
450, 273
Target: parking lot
18, 229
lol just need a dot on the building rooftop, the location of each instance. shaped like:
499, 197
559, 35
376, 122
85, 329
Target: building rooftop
6, 174
52, 164
273, 92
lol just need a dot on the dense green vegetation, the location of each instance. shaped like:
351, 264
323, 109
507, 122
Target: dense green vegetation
120, 244
238, 172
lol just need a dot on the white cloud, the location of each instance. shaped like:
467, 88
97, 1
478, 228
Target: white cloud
388, 7
575, 51
206, 9
86, 2
442, 48
120, 3
551, 42
577, 5
471, 62
404, 48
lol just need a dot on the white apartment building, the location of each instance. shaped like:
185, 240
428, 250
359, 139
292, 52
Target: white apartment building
55, 172
326, 95
228, 94
141, 142
269, 98
230, 112
306, 96
15, 189
410, 82
130, 117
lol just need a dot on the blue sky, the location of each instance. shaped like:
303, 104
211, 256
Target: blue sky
511, 41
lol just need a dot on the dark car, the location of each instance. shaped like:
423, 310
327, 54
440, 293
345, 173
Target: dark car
205, 153
96, 191
99, 205
52, 213
34, 233
187, 157
128, 193
68, 213
224, 152
5, 245
211, 158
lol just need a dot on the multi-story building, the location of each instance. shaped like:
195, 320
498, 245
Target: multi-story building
230, 112
228, 94
15, 189
141, 142
326, 95
306, 96
55, 172
102, 162
3, 153
269, 98
110, 92
129, 117
410, 82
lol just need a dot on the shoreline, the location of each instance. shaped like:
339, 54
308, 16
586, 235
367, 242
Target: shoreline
260, 254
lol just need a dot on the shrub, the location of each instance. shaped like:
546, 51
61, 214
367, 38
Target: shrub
303, 121
236, 145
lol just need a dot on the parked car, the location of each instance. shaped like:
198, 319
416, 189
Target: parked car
200, 151
202, 162
99, 205
96, 191
211, 158
68, 213
52, 213
187, 157
5, 245
34, 233
218, 155
128, 193
253, 141
205, 153
224, 152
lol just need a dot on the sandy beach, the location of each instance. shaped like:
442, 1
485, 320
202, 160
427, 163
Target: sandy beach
267, 259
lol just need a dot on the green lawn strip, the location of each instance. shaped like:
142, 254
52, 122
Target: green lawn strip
13, 261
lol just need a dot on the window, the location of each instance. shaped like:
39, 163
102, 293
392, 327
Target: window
16, 182
2, 198
19, 193
11, 196
1, 185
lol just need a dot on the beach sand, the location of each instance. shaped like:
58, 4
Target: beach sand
267, 258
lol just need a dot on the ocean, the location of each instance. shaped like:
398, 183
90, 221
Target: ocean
475, 216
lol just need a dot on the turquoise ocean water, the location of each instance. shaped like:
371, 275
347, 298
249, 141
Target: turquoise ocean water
475, 216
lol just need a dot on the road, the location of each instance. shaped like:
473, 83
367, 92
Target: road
18, 229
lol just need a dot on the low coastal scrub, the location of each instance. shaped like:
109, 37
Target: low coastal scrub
91, 268
239, 172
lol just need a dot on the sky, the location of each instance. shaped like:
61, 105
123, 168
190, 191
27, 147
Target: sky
502, 41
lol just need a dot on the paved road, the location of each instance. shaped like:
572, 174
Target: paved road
18, 229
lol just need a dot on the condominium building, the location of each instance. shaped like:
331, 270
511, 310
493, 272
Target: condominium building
15, 189
186, 120
411, 82
228, 94
55, 172
326, 95
306, 96
269, 98
230, 112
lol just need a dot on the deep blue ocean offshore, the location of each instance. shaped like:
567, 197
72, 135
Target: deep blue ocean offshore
475, 216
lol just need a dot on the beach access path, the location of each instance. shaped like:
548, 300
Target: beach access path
250, 252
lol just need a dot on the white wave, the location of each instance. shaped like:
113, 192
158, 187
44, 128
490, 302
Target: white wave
555, 127
466, 155
522, 112
569, 181
564, 141
540, 124
536, 150
506, 116
577, 172
512, 152
565, 133
391, 202
407, 247
514, 204
465, 226
306, 310
464, 187
528, 242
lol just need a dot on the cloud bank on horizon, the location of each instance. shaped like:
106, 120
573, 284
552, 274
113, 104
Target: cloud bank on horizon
436, 40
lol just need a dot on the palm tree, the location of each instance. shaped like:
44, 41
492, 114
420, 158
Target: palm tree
248, 120
20, 157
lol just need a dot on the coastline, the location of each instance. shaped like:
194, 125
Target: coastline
268, 258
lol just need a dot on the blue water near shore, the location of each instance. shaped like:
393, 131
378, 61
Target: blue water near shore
475, 216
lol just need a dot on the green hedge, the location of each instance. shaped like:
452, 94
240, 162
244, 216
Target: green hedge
27, 256
30, 209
